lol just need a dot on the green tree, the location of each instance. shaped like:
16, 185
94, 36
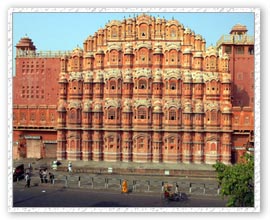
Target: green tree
237, 182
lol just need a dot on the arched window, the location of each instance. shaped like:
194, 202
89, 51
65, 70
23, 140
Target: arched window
113, 57
112, 85
173, 32
72, 114
111, 114
129, 30
142, 113
142, 84
143, 31
172, 114
213, 146
141, 143
213, 63
173, 56
114, 32
213, 115
172, 85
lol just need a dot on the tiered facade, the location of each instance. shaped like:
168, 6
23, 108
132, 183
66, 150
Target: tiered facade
144, 90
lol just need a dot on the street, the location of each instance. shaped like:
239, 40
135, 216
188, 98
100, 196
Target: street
48, 196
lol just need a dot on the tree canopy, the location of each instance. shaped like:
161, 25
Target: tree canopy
237, 182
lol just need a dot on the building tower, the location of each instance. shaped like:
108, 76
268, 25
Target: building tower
239, 47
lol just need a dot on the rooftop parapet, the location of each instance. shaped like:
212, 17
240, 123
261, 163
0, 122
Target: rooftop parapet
43, 54
235, 39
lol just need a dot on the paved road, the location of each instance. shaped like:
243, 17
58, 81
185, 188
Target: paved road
48, 196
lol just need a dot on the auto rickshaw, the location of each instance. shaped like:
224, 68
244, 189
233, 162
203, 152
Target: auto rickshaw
169, 195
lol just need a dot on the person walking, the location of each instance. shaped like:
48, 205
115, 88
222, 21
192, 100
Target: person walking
27, 180
176, 189
51, 177
69, 167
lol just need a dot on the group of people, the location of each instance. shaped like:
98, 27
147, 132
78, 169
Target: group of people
43, 174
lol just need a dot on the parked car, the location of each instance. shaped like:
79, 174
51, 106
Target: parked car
18, 173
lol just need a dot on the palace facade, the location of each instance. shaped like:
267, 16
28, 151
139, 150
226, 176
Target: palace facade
143, 89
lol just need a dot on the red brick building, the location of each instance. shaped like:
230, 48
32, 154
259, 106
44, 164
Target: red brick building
143, 89
240, 48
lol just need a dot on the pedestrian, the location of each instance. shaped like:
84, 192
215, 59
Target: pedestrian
45, 176
27, 180
176, 189
51, 177
41, 176
162, 186
124, 187
69, 167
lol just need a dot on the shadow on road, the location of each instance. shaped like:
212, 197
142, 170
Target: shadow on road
109, 204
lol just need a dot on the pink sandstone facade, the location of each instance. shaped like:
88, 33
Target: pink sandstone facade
143, 89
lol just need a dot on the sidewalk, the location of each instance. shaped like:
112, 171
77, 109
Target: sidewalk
101, 167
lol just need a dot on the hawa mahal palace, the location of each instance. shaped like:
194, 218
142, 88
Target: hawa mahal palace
143, 89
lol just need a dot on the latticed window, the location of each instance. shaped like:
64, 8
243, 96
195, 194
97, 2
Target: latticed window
141, 143
111, 114
172, 115
142, 84
33, 117
173, 33
246, 120
42, 116
112, 85
213, 116
52, 117
142, 113
239, 50
72, 114
171, 140
113, 58
114, 32
22, 116
172, 85
213, 146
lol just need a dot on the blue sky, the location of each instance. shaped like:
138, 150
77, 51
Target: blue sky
64, 31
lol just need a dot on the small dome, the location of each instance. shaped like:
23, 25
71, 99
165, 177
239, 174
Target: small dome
62, 78
77, 52
100, 51
88, 76
61, 107
158, 50
87, 107
227, 109
187, 51
199, 108
187, 77
238, 27
128, 51
89, 55
198, 37
198, 55
188, 31
157, 108
98, 107
211, 51
26, 42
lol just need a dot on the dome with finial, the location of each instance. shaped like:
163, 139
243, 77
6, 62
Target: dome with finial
239, 28
77, 51
26, 42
